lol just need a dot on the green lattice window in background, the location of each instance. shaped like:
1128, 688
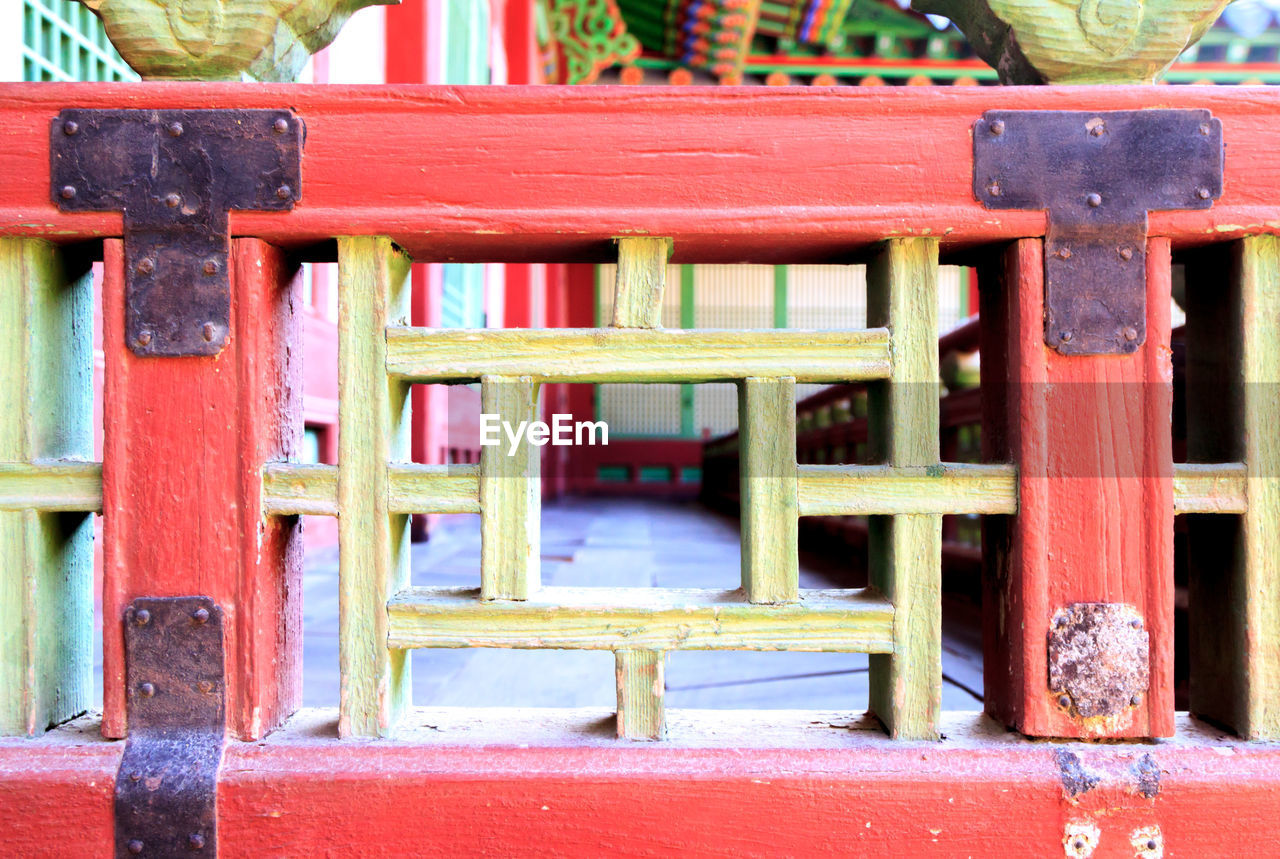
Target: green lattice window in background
64, 41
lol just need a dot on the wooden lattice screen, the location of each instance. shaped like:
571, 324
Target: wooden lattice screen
1080, 490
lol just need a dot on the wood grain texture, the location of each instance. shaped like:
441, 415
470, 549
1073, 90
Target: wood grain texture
705, 791
882, 490
635, 355
510, 496
845, 621
767, 479
46, 557
1233, 363
642, 276
373, 413
290, 489
1091, 436
184, 443
554, 174
642, 685
54, 487
1210, 487
905, 552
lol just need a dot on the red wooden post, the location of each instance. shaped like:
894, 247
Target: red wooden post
185, 440
1092, 438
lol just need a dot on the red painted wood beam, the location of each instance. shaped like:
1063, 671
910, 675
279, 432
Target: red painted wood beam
184, 444
1092, 438
980, 793
528, 174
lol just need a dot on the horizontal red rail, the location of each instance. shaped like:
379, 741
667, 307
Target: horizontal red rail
980, 792
547, 173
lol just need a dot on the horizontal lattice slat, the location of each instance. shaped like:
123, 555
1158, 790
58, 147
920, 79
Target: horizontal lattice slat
64, 487
312, 490
854, 621
636, 355
876, 490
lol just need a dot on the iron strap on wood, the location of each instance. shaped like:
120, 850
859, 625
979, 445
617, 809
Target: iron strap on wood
175, 174
167, 786
1097, 175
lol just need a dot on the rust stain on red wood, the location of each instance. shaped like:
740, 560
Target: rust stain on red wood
711, 168
183, 446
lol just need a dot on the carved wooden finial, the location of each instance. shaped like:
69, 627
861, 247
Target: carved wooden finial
1071, 42
269, 40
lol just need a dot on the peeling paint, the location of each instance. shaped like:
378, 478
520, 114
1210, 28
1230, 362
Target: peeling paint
1075, 778
1147, 771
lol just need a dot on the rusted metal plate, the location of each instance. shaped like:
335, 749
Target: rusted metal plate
175, 174
1097, 175
166, 789
1099, 658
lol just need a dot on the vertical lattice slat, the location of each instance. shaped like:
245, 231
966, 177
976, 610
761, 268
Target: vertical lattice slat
642, 271
510, 495
770, 527
641, 688
46, 559
906, 551
373, 413
1233, 363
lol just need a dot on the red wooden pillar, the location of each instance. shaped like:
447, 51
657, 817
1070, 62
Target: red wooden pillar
184, 444
1091, 436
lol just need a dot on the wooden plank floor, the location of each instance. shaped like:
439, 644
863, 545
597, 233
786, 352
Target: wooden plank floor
615, 543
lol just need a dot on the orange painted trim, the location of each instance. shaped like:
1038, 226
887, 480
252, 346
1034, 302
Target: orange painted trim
552, 174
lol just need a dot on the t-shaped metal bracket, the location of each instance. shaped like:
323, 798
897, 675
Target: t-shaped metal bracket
175, 174
1096, 175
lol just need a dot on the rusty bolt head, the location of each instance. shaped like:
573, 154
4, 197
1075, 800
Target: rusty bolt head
284, 192
70, 127
1126, 253
1063, 253
1131, 334
135, 846
172, 201
1203, 193
997, 127
200, 615
1136, 623
142, 617
1066, 336
207, 332
195, 841
174, 129
1205, 128
147, 690
1098, 130
146, 265
205, 686
1064, 701
135, 776
280, 126
144, 337
1135, 700
1094, 200
994, 189
210, 267
67, 192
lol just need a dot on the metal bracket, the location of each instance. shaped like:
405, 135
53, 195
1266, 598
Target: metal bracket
1099, 658
166, 790
1096, 175
175, 174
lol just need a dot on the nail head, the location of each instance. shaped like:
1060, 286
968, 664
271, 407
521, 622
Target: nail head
70, 127
997, 127
1131, 334
144, 337
135, 846
1203, 193
1094, 200
142, 617
200, 615
172, 201
208, 331
284, 192
210, 267
280, 126
147, 690
67, 192
145, 266
175, 129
